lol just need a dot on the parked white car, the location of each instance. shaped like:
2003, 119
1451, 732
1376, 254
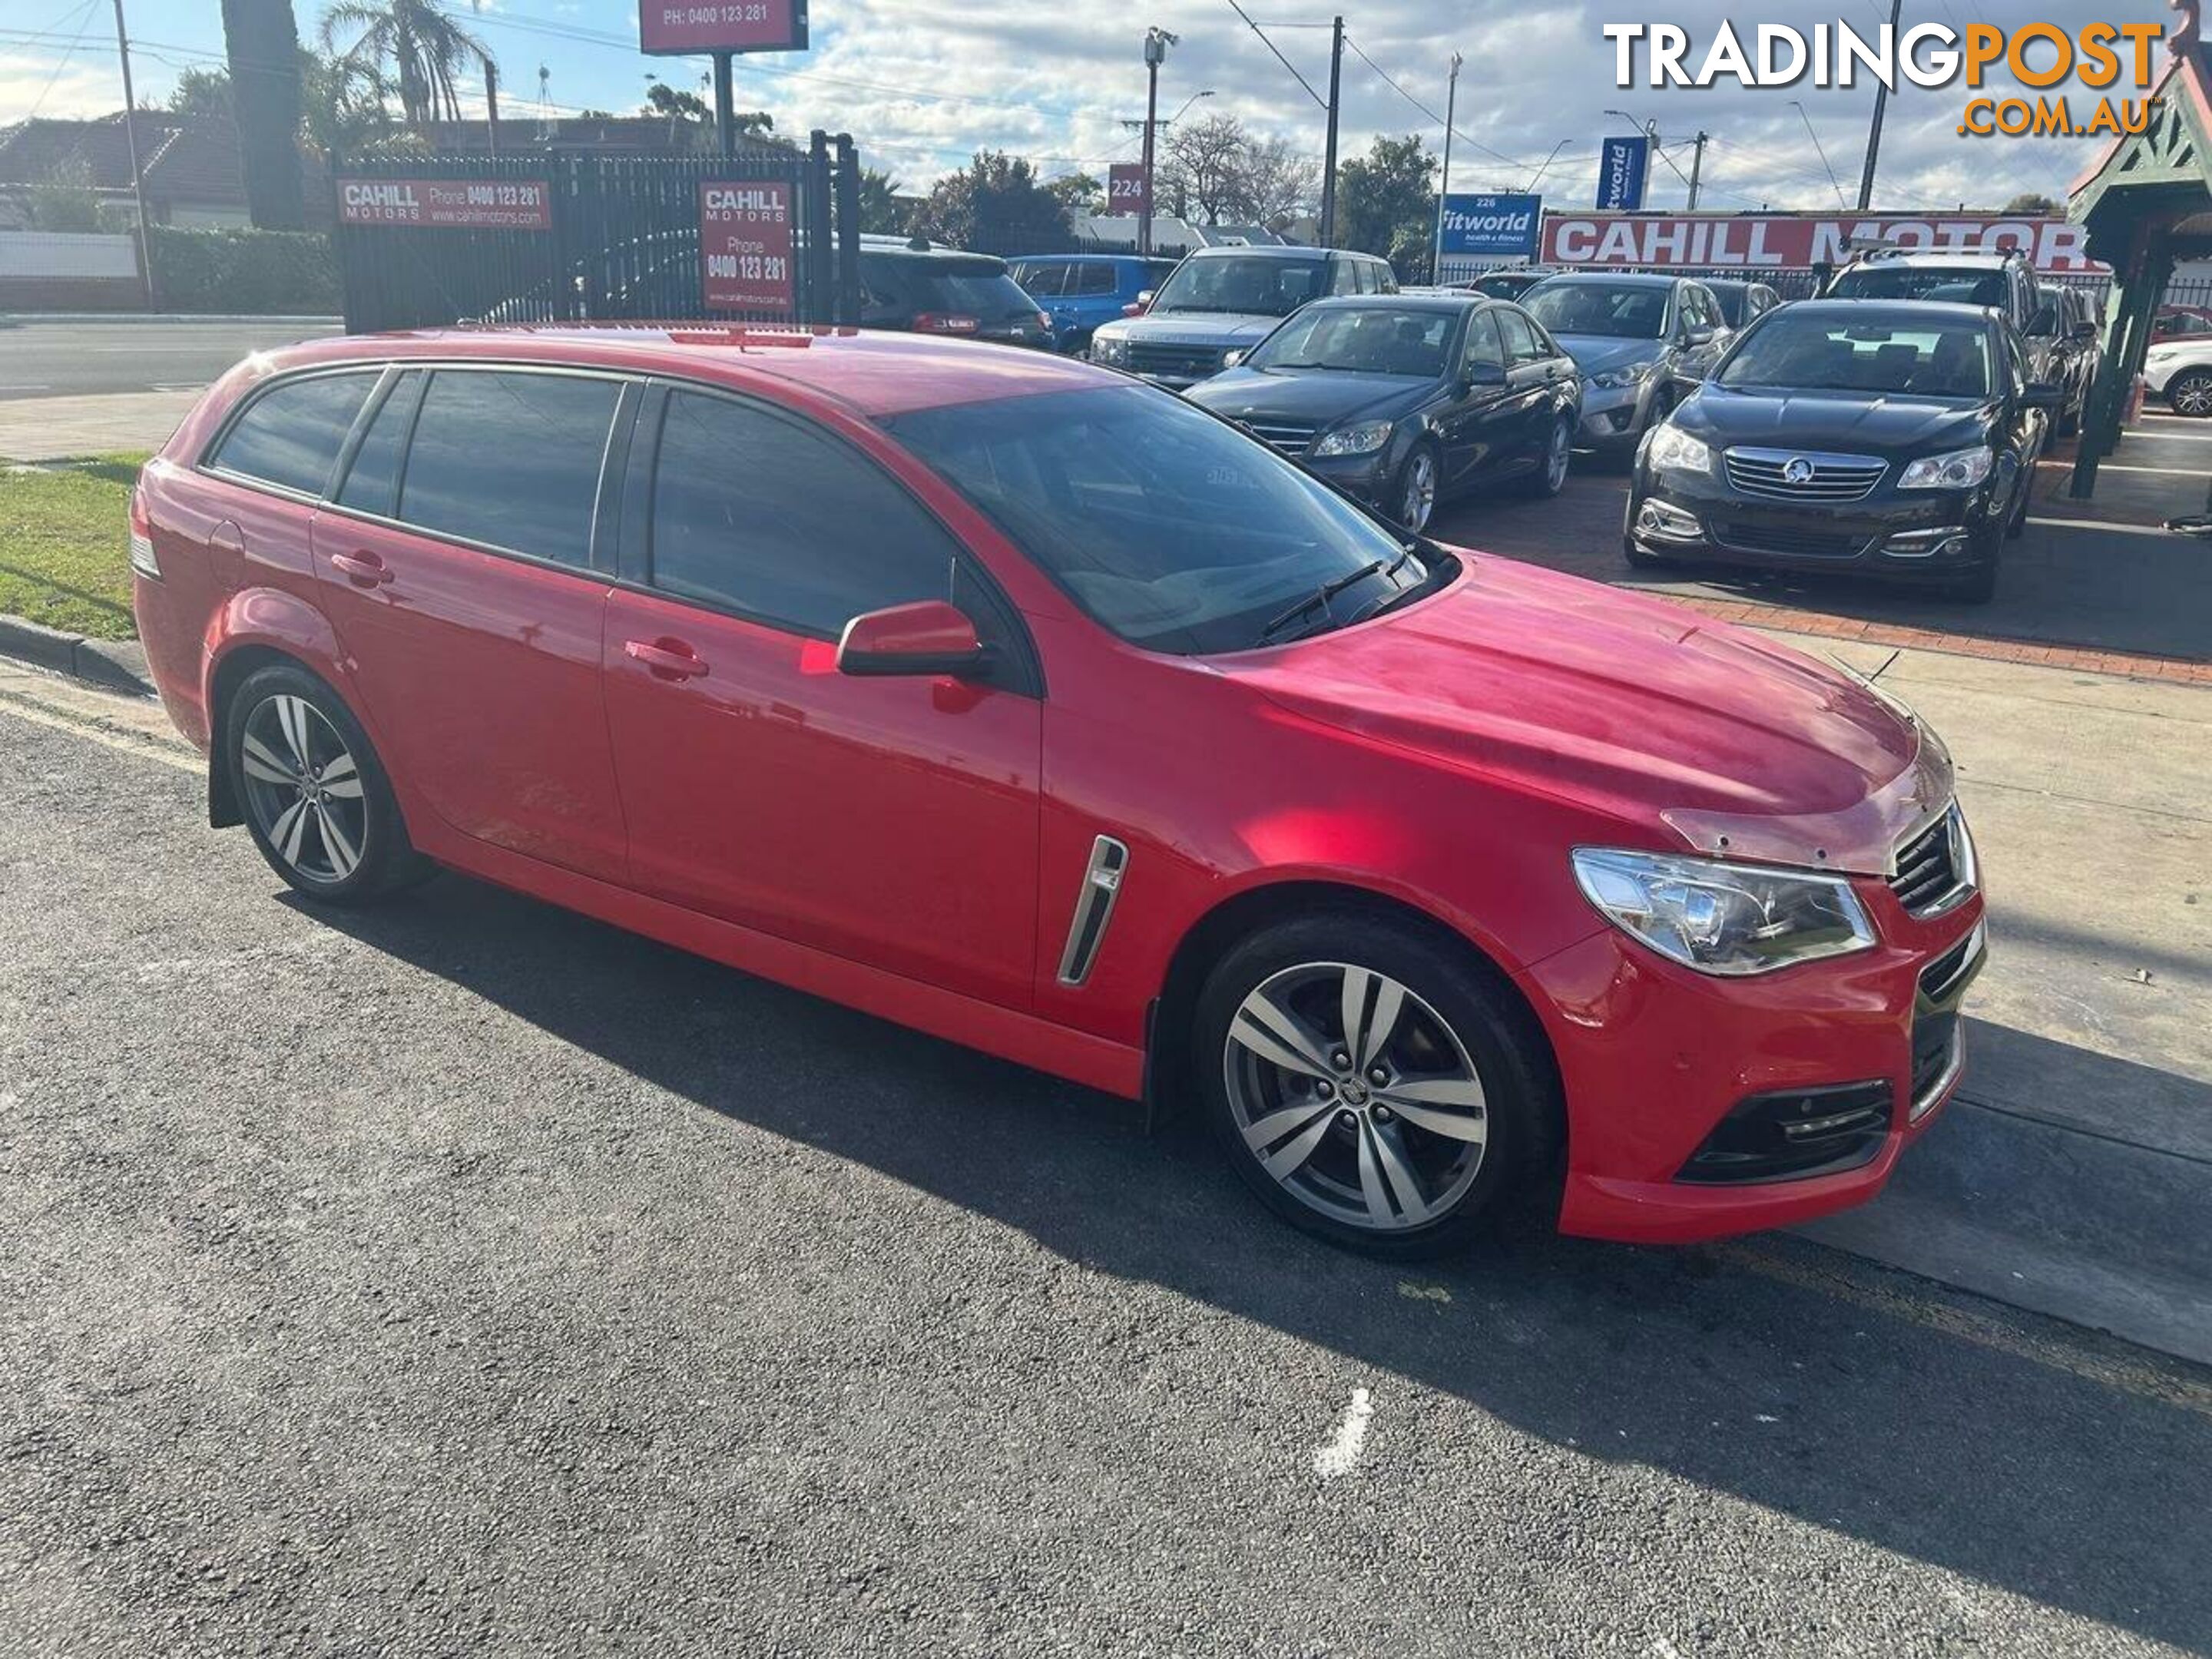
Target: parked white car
2180, 371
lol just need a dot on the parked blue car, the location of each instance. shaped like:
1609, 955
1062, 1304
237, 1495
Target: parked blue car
1079, 291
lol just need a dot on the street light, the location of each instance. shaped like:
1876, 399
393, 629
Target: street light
1538, 177
1187, 103
1157, 42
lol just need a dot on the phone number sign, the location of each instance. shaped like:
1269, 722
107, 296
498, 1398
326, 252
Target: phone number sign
745, 246
447, 203
682, 25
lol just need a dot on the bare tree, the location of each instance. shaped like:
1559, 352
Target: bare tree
1279, 183
1202, 168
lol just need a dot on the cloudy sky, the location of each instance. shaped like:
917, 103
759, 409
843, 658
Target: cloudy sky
921, 83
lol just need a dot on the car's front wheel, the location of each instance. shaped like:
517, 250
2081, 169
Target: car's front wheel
1368, 1085
2190, 393
313, 794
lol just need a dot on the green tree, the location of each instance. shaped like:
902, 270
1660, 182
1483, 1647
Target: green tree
63, 201
2033, 205
1384, 204
994, 203
262, 41
882, 212
342, 107
1079, 192
691, 121
430, 53
203, 93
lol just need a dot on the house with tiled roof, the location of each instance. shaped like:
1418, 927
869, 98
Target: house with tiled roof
193, 177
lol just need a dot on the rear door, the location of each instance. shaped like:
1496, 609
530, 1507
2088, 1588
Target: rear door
1533, 371
892, 822
456, 563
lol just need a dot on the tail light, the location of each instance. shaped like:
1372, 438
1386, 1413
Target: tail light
943, 322
141, 536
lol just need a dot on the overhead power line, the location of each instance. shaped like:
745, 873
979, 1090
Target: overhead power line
1279, 59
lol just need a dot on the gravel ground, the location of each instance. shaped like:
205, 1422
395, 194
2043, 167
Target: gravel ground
468, 1275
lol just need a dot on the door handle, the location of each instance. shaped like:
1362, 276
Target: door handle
362, 569
669, 659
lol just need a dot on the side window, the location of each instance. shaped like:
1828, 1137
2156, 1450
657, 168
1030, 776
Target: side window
756, 512
1521, 345
1042, 281
511, 459
1386, 280
372, 482
1482, 342
1094, 278
290, 435
1344, 275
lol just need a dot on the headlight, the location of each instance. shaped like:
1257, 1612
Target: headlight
1362, 439
1962, 469
1110, 349
1723, 918
1616, 379
1673, 448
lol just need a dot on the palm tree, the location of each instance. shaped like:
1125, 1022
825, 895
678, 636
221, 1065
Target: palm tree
426, 49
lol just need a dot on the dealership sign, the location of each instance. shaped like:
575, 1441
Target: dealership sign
687, 25
1492, 226
447, 203
1775, 241
745, 246
1126, 196
1621, 166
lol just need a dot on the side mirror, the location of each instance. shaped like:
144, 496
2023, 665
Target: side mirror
1697, 336
1230, 359
928, 637
1144, 304
1482, 373
2041, 394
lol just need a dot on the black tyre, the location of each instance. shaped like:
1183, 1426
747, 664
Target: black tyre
1374, 1086
1414, 492
314, 794
1977, 583
2190, 393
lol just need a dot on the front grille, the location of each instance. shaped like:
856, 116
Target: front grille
1771, 475
1794, 1133
1930, 877
1793, 544
1291, 440
1179, 362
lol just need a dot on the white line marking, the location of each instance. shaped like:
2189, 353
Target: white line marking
1340, 1454
145, 749
2100, 523
27, 387
2167, 471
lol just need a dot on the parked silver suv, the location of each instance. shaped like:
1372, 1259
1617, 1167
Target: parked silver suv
1641, 341
1222, 299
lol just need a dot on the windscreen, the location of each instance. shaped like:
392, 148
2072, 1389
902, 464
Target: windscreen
1362, 339
1791, 351
986, 292
1619, 311
1250, 286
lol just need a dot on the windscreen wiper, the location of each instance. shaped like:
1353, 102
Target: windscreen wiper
1328, 590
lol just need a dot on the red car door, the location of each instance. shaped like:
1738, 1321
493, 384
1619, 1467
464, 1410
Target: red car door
890, 821
459, 576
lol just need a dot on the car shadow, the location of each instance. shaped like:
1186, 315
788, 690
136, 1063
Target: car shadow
1954, 1449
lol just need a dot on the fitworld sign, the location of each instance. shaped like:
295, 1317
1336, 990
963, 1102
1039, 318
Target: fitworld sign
1775, 241
1492, 226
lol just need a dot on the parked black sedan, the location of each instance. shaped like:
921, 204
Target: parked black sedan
1892, 439
1406, 399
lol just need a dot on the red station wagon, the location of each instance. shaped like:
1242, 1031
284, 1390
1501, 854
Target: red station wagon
1013, 700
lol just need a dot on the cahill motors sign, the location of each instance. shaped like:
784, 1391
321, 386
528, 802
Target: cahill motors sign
447, 203
1777, 241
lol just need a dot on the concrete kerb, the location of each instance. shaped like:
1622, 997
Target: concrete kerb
112, 664
16, 319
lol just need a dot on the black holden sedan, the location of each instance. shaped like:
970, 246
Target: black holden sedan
1406, 399
1891, 440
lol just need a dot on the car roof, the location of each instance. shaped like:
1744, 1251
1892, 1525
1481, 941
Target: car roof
1269, 251
891, 247
1978, 258
1425, 299
868, 372
1945, 311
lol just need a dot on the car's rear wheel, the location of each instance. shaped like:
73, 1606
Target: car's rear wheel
1550, 476
1369, 1086
2190, 393
1415, 497
314, 796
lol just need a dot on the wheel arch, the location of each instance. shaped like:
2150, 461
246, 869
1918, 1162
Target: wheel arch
1168, 1059
256, 628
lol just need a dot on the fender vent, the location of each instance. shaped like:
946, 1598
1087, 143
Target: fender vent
1094, 908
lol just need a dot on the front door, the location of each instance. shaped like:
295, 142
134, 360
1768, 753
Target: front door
890, 821
458, 573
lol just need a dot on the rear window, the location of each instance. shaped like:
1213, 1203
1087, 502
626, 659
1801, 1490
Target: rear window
991, 296
511, 459
1968, 288
291, 433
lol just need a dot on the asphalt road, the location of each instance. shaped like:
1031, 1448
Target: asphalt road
129, 354
466, 1275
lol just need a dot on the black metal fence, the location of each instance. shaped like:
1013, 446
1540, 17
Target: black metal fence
571, 237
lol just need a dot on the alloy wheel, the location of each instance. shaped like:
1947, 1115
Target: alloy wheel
1355, 1096
2192, 395
304, 789
1420, 500
1556, 458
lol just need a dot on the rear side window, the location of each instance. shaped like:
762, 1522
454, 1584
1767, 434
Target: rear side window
756, 512
291, 433
372, 482
1044, 280
511, 459
1093, 277
1343, 277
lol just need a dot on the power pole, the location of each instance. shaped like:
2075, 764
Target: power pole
726, 120
1443, 179
130, 142
1328, 158
1873, 134
491, 107
1157, 42
1697, 167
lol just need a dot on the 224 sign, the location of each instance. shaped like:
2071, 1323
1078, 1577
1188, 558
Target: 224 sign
745, 246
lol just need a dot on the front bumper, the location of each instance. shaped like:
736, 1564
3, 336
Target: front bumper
1655, 1058
1614, 417
1902, 535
